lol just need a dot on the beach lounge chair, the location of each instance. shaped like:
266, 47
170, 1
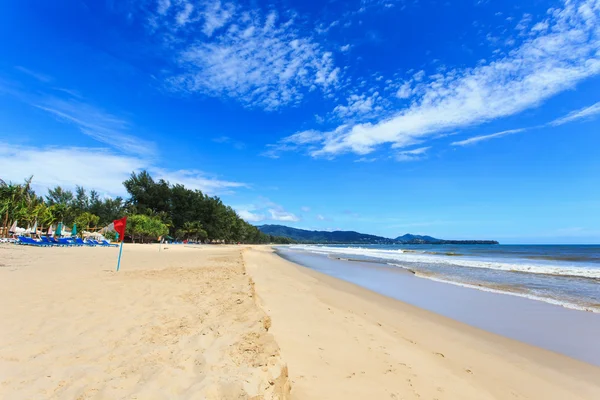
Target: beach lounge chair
30, 242
80, 242
46, 240
65, 242
107, 244
54, 241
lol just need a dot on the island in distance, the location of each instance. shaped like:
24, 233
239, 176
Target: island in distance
351, 237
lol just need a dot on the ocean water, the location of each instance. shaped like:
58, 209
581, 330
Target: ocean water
566, 275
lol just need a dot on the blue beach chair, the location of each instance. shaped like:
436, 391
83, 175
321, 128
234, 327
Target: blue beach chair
46, 240
107, 244
65, 242
30, 242
80, 242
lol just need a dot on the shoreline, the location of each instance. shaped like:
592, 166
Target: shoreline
349, 337
553, 282
538, 323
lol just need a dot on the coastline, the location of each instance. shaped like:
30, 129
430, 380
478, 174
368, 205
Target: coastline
343, 341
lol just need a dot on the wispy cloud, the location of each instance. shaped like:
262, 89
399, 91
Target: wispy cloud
284, 216
37, 75
94, 168
546, 63
250, 216
227, 50
481, 138
265, 209
195, 179
584, 113
412, 155
227, 140
96, 123
70, 107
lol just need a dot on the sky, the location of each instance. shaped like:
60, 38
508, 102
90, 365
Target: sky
474, 119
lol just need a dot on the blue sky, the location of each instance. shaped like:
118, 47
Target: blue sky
471, 119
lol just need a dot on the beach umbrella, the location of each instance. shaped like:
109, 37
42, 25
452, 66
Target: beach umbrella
74, 231
13, 228
50, 232
59, 229
34, 229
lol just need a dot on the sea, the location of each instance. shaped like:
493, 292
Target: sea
564, 275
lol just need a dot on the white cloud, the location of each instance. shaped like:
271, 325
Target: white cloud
249, 216
293, 142
404, 91
320, 217
366, 160
93, 168
481, 138
264, 209
359, 105
163, 6
227, 51
524, 22
345, 48
540, 26
216, 16
545, 64
412, 155
587, 112
305, 209
183, 17
194, 179
281, 215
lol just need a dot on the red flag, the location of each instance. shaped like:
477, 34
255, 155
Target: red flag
120, 225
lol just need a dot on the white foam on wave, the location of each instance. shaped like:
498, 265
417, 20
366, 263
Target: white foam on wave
399, 255
530, 296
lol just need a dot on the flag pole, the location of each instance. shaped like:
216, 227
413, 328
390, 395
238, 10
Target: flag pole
119, 260
119, 226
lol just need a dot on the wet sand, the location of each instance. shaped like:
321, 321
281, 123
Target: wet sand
571, 332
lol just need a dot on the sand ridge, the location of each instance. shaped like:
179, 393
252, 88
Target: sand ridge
182, 323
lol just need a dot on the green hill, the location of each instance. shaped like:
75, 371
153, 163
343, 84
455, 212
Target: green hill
352, 237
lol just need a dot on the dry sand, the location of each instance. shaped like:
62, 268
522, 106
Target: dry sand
186, 323
179, 324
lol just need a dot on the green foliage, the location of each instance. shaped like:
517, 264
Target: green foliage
154, 208
190, 214
85, 220
144, 228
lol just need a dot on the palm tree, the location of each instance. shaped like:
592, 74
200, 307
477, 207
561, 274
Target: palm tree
15, 201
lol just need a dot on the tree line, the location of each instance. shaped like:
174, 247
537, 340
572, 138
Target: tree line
154, 208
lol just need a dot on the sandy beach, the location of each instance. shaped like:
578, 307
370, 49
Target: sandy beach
179, 324
229, 322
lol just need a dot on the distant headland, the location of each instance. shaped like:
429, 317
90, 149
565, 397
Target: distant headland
351, 237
